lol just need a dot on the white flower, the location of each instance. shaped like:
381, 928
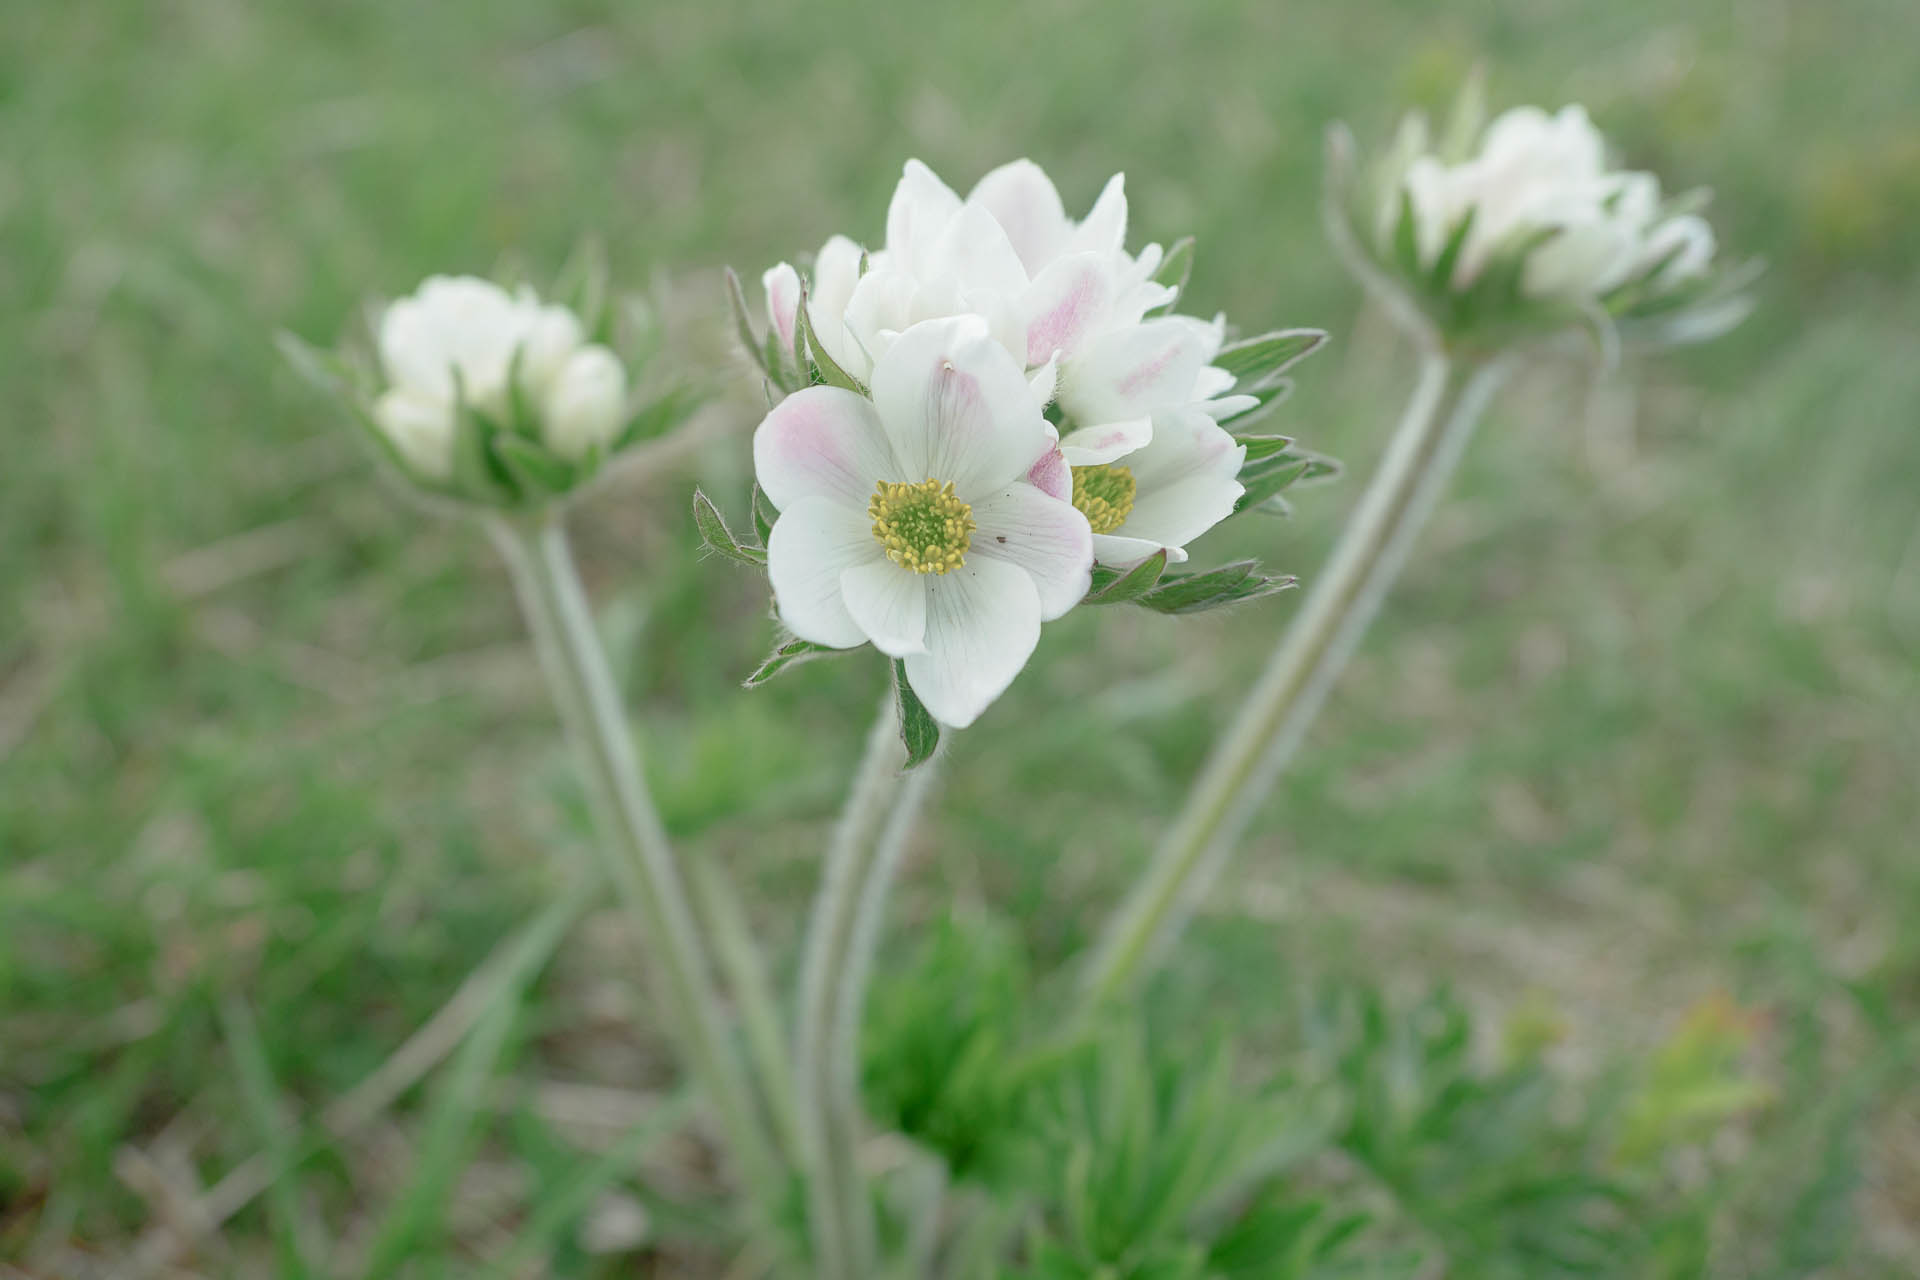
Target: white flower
933, 520
457, 339
1543, 180
1164, 494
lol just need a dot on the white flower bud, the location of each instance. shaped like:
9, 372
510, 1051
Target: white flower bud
421, 428
586, 405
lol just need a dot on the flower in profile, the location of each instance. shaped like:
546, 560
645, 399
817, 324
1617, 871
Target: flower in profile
460, 342
933, 520
1523, 227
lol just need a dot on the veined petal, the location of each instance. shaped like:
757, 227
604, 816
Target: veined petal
957, 407
1024, 201
983, 621
1051, 475
1043, 535
822, 442
1127, 373
1064, 303
889, 604
814, 542
1090, 446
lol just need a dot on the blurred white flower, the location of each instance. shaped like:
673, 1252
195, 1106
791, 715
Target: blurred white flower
1540, 185
934, 520
457, 339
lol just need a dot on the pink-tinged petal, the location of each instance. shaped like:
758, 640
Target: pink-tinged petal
823, 442
1044, 535
1051, 475
782, 285
1104, 230
922, 206
1119, 552
983, 621
957, 408
889, 604
1127, 373
973, 250
1091, 446
814, 542
1064, 303
1024, 201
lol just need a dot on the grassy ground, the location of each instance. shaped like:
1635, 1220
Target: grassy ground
1642, 726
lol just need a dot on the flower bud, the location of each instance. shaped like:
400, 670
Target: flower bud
586, 405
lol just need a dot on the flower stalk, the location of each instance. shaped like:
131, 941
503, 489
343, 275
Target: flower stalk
633, 842
1447, 403
842, 936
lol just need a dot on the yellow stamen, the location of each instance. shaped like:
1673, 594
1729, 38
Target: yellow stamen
923, 527
1104, 495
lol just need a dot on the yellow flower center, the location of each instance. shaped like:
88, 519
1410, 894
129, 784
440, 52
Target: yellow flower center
923, 527
1104, 495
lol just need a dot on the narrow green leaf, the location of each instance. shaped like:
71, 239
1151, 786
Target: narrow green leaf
1112, 586
763, 514
1441, 280
1406, 249
823, 366
785, 656
1260, 448
583, 286
537, 471
919, 731
659, 416
743, 323
714, 532
293, 1237
1253, 361
1229, 584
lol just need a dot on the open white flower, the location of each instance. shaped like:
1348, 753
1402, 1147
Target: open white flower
457, 338
933, 520
1541, 184
1165, 493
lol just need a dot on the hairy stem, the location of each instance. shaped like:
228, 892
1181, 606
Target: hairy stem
1447, 403
633, 843
842, 935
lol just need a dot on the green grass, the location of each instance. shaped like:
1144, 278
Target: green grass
1641, 725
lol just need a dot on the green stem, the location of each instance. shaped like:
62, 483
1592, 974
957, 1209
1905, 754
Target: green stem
842, 936
1447, 403
633, 842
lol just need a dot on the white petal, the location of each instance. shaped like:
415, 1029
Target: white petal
1116, 551
1043, 380
983, 621
550, 337
782, 286
1186, 479
1090, 446
1104, 230
957, 407
973, 251
813, 543
1026, 204
823, 442
1044, 535
1051, 475
587, 403
1126, 373
889, 604
450, 322
1064, 303
420, 427
836, 272
922, 206
1689, 239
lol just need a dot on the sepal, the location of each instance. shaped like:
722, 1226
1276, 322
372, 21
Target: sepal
919, 731
719, 538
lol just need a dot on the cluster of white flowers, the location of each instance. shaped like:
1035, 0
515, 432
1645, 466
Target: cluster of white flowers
462, 340
1540, 185
1033, 409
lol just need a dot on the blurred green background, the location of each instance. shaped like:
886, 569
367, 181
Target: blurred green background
1640, 731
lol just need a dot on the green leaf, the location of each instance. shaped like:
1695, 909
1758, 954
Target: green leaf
763, 514
714, 532
293, 1236
1255, 361
919, 731
583, 286
1278, 473
536, 471
1229, 584
1406, 249
1441, 280
788, 654
655, 419
1268, 398
1112, 586
824, 370
1260, 448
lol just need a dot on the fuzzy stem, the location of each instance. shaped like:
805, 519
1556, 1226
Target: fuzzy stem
1447, 403
842, 935
633, 843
